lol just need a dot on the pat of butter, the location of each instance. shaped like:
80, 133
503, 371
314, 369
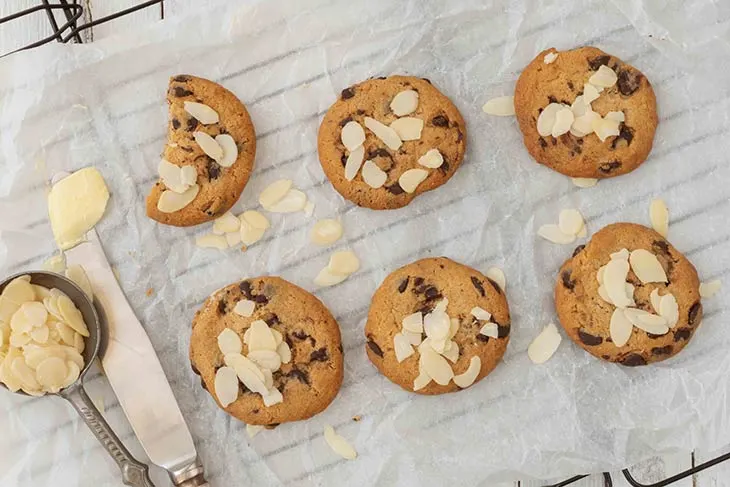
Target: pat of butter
75, 204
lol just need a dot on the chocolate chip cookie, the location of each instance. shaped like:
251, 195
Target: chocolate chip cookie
607, 113
654, 318
307, 378
387, 140
217, 184
437, 326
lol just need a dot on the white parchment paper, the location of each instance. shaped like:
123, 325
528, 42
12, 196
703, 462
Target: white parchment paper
67, 107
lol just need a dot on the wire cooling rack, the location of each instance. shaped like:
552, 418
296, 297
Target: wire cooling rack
69, 28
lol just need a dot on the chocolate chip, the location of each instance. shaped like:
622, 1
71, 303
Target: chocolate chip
260, 299
605, 357
425, 308
243, 389
682, 334
495, 285
478, 285
628, 82
661, 247
552, 99
179, 91
375, 347
695, 314
565, 276
360, 111
272, 319
181, 78
608, 167
580, 141
343, 159
192, 123
319, 355
662, 350
202, 384
625, 133
543, 142
651, 335
347, 93
245, 287
578, 250
432, 293
570, 85
418, 281
444, 167
503, 330
588, 339
395, 188
459, 135
345, 121
339, 347
598, 61
222, 307
195, 369
175, 123
300, 375
187, 149
482, 338
632, 360
380, 152
440, 121
214, 170
427, 80
403, 285
300, 335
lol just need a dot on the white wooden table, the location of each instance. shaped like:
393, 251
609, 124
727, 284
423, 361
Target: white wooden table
21, 32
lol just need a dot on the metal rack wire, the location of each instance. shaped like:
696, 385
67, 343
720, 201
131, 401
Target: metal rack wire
70, 31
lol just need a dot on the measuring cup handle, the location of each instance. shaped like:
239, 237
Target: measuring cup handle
134, 472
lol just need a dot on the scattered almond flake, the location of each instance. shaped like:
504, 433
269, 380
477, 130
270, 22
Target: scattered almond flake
354, 162
233, 239
278, 337
655, 300
326, 278
630, 293
255, 219
404, 103
659, 216
245, 308
710, 288
211, 241
284, 352
55, 263
309, 208
247, 372
254, 429
78, 275
172, 176
583, 125
502, 106
469, 376
352, 135
650, 323
431, 159
413, 323
438, 345
326, 232
647, 267
260, 337
620, 328
421, 381
386, 134
546, 120
570, 221
436, 325
584, 182
622, 254
579, 107
614, 280
274, 192
229, 342
411, 178
402, 347
490, 330
590, 93
188, 175
272, 397
605, 77
616, 116
563, 121
497, 275
414, 338
451, 351
203, 113
249, 234
294, 200
265, 359
343, 262
436, 367
550, 57
170, 202
605, 128
208, 145
407, 128
669, 309
552, 233
373, 175
338, 444
441, 306
227, 223
226, 386
544, 345
229, 148
481, 314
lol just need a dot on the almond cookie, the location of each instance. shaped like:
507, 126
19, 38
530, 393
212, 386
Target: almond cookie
437, 326
267, 351
387, 140
628, 296
209, 156
585, 113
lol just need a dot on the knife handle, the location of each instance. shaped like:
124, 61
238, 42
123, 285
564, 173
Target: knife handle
134, 473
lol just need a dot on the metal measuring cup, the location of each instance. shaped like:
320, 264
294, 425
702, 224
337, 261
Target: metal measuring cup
134, 472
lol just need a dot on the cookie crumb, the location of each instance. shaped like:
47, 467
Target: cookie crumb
357, 418
149, 292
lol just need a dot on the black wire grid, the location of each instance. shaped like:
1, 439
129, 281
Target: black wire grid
71, 29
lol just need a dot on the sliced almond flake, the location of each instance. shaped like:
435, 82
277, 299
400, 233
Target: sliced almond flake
650, 323
343, 262
25, 374
599, 274
352, 135
481, 314
655, 300
669, 310
226, 386
404, 103
73, 354
245, 308
229, 342
411, 178
373, 175
326, 232
229, 148
584, 182
646, 266
19, 291
441, 306
309, 208
233, 239
203, 113
170, 201
35, 313
72, 316
605, 128
260, 337
40, 293
583, 232
620, 328
622, 254
630, 293
544, 345
710, 288
454, 327
552, 233
616, 116
72, 376
66, 333
469, 376
501, 106
189, 175
19, 340
432, 159
451, 352
414, 338
19, 322
247, 371
550, 57
614, 280
497, 275
51, 373
284, 352
546, 120
274, 192
255, 219
55, 263
436, 325
265, 359
249, 234
402, 347
413, 323
354, 162
579, 107
583, 125
436, 367
563, 121
590, 93
338, 444
254, 429
490, 330
659, 216
438, 345
78, 275
605, 77
294, 200
208, 145
268, 379
421, 381
273, 397
570, 221
40, 334
407, 128
386, 134
326, 278
227, 223
8, 378
211, 241
171, 176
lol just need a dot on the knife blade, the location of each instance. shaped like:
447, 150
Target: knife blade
135, 374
